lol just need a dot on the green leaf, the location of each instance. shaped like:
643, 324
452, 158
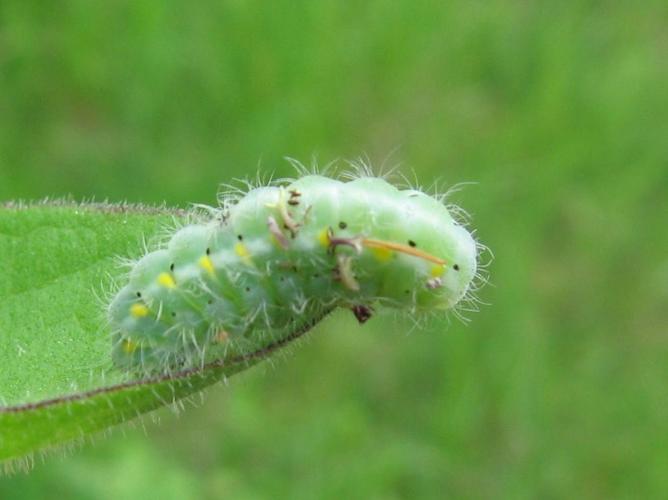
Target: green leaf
57, 385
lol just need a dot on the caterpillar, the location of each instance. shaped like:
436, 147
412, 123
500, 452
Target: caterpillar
281, 255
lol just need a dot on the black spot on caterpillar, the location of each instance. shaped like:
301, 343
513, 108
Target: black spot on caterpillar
281, 255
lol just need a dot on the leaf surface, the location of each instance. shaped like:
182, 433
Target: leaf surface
57, 384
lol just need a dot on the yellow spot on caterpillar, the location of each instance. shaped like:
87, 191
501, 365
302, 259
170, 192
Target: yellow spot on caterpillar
437, 271
166, 280
382, 254
129, 346
242, 251
323, 237
138, 310
206, 264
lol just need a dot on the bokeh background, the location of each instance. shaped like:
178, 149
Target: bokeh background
558, 111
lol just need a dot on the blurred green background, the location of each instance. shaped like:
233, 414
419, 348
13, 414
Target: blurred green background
557, 110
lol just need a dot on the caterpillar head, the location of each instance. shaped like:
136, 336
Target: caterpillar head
460, 268
446, 252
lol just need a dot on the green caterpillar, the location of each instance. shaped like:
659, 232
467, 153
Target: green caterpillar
281, 256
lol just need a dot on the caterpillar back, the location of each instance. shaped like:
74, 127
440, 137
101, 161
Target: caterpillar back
281, 256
